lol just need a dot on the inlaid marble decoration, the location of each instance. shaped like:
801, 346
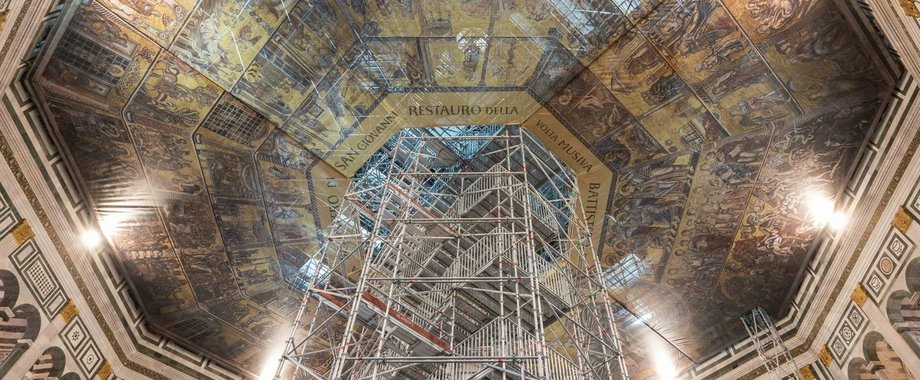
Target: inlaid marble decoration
716, 120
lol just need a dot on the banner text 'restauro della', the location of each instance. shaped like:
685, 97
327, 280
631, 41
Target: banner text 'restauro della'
466, 110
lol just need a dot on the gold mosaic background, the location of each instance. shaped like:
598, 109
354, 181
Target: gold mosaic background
204, 129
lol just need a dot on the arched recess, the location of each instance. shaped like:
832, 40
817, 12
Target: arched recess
912, 276
70, 376
903, 307
48, 366
17, 333
9, 291
856, 370
881, 361
903, 310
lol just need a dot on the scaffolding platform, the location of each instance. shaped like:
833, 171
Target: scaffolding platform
431, 270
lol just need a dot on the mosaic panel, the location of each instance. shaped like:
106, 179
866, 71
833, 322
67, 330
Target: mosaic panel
100, 57
172, 96
220, 39
160, 20
710, 115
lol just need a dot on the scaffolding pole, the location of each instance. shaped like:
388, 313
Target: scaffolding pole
428, 274
769, 345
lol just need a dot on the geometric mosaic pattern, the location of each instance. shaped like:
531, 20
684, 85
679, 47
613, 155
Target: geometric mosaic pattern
41, 280
710, 114
887, 264
8, 215
848, 329
81, 345
913, 203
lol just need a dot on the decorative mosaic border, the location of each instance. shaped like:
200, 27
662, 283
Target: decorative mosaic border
4, 147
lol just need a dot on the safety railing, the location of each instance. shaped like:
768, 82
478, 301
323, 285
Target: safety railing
475, 192
509, 348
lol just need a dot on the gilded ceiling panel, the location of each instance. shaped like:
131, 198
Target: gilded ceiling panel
173, 96
282, 149
159, 21
314, 126
221, 38
169, 160
398, 61
511, 61
649, 200
257, 272
776, 232
242, 223
354, 94
706, 47
114, 171
683, 124
284, 185
268, 88
525, 18
818, 62
587, 32
154, 274
208, 272
387, 18
722, 183
456, 18
100, 57
228, 174
457, 63
211, 123
234, 124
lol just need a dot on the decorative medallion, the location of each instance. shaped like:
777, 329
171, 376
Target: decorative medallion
846, 332
69, 311
75, 336
886, 265
901, 220
897, 245
875, 283
23, 232
855, 317
838, 348
859, 295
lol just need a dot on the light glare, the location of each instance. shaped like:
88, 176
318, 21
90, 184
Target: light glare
110, 224
91, 238
822, 213
273, 361
838, 221
664, 365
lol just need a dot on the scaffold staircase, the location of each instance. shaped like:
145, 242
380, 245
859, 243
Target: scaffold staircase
457, 275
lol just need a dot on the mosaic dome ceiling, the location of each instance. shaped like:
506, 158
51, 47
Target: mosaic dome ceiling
209, 135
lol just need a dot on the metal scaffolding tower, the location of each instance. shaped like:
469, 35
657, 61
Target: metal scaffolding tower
437, 270
769, 344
